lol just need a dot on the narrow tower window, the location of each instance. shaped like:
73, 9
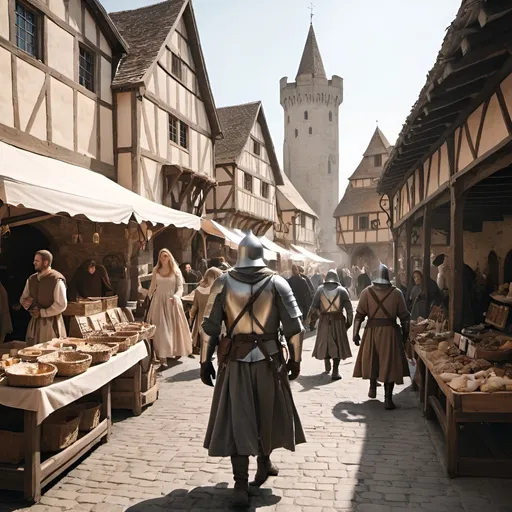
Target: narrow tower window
377, 159
306, 116
296, 133
329, 170
330, 116
310, 131
288, 119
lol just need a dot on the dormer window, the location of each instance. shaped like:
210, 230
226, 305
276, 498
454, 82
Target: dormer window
377, 160
256, 147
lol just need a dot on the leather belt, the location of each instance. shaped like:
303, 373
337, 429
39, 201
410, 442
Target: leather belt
381, 322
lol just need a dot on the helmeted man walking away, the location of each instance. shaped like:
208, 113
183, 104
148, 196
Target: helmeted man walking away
382, 355
330, 300
252, 410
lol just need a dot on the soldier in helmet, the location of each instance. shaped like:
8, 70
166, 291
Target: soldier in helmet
332, 341
252, 410
381, 357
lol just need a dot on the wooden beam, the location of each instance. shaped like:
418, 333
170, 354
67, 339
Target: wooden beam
427, 235
408, 254
456, 251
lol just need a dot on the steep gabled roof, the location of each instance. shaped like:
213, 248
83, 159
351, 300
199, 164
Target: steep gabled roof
293, 196
236, 122
379, 145
146, 30
311, 62
358, 200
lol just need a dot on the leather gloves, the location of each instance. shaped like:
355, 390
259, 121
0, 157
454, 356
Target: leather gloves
207, 373
293, 369
357, 340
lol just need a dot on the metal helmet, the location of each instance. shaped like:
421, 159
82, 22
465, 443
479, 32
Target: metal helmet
250, 252
332, 277
381, 275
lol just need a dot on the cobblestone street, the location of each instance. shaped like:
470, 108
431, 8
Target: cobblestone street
359, 457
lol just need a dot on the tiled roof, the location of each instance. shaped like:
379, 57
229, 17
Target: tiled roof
311, 62
145, 30
358, 200
378, 144
236, 122
292, 194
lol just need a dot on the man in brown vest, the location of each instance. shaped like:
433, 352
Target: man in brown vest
44, 297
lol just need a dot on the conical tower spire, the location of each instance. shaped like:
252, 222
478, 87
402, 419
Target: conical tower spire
378, 144
311, 62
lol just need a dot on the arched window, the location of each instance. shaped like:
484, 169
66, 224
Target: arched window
310, 131
288, 119
329, 170
306, 115
296, 133
330, 116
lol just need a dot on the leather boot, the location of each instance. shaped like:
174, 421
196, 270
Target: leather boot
372, 393
265, 469
388, 400
336, 370
240, 464
327, 363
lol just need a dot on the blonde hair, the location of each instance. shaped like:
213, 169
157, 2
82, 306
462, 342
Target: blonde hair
210, 276
172, 262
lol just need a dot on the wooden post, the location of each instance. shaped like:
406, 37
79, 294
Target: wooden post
137, 385
396, 263
426, 253
408, 241
106, 409
457, 200
452, 440
32, 468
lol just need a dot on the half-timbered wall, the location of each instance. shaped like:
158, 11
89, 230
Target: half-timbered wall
348, 231
43, 107
144, 117
297, 227
488, 126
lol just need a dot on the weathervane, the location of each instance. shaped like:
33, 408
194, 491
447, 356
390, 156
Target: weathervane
312, 9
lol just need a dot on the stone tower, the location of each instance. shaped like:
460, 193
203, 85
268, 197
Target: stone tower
311, 140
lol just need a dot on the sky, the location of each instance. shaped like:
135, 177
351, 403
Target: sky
383, 49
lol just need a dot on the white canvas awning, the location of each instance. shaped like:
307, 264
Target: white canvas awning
310, 255
44, 184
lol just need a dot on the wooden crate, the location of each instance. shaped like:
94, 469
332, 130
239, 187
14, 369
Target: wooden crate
88, 308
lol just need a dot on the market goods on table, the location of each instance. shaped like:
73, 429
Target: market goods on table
99, 352
30, 375
68, 364
83, 307
32, 354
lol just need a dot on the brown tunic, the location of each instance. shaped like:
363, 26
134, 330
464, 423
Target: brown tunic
42, 290
381, 356
197, 315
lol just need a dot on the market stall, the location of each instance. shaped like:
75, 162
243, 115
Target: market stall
56, 406
466, 382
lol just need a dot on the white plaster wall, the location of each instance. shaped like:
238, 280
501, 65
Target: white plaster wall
494, 130
124, 170
163, 133
124, 120
154, 181
75, 14
58, 7
106, 80
506, 87
62, 114
4, 19
90, 27
104, 46
107, 135
60, 50
6, 109
87, 125
30, 82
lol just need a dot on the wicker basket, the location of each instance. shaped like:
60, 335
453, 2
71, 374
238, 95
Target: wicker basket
107, 302
32, 354
99, 352
84, 308
69, 364
13, 447
90, 415
18, 378
63, 345
60, 430
114, 346
124, 342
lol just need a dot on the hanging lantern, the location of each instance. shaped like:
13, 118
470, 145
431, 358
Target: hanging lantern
96, 235
76, 237
149, 234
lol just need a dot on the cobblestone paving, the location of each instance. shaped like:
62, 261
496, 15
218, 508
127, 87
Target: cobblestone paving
359, 457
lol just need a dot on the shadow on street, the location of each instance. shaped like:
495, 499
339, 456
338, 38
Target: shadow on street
204, 498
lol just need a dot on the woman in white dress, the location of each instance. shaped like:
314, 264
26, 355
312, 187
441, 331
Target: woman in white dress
172, 337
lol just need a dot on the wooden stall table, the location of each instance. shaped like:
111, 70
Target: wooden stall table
38, 403
461, 408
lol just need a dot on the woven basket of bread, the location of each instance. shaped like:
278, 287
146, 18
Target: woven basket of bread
99, 352
30, 375
69, 364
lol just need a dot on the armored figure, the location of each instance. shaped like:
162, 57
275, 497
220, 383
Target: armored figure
330, 300
382, 355
252, 410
